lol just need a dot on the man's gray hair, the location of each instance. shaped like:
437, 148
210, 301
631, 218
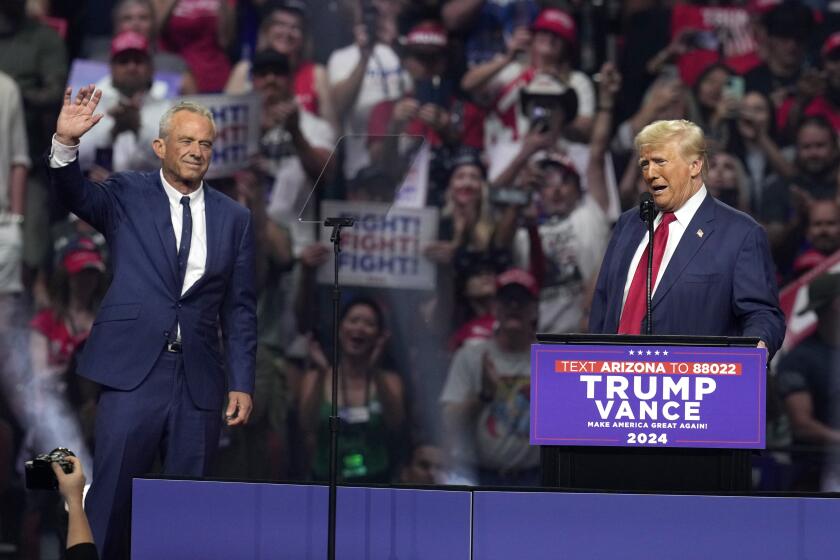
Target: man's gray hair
166, 119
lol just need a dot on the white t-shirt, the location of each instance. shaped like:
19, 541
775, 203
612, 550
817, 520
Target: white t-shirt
502, 430
573, 247
292, 185
385, 80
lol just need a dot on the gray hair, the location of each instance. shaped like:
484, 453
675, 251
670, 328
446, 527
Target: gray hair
198, 109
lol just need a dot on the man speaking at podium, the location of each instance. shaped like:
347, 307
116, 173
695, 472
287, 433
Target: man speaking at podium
711, 263
183, 257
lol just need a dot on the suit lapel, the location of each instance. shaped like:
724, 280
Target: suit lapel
159, 211
688, 246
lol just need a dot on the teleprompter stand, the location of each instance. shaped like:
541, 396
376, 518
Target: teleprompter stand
335, 238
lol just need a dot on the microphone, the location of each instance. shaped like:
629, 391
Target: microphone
647, 209
647, 212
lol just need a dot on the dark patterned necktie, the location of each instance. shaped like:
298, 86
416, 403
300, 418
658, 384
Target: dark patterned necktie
186, 237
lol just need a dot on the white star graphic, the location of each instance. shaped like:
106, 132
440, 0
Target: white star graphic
631, 353
648, 352
664, 352
657, 352
639, 352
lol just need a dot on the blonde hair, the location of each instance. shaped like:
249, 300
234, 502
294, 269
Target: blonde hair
689, 136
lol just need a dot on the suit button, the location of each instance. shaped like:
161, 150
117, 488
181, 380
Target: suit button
179, 306
165, 333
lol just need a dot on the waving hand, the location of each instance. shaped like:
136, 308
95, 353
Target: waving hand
77, 115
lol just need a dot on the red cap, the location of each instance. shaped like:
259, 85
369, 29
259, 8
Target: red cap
129, 41
427, 34
82, 255
559, 160
557, 22
832, 43
518, 277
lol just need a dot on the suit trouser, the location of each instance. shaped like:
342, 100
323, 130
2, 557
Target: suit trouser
132, 427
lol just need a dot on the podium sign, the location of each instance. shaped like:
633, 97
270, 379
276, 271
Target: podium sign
648, 396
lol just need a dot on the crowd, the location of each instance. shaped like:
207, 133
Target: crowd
518, 117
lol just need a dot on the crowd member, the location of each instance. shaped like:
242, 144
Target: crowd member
139, 16
33, 55
430, 109
788, 27
365, 73
549, 45
574, 227
79, 284
14, 167
711, 104
807, 381
752, 137
371, 400
133, 102
822, 235
552, 106
727, 181
818, 93
487, 24
284, 28
486, 398
259, 451
426, 465
200, 32
785, 200
295, 144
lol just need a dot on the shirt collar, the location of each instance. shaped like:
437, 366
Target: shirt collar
174, 196
686, 211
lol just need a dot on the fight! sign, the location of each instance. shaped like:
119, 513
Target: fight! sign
648, 396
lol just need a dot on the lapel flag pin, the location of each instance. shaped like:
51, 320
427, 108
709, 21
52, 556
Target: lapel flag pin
699, 233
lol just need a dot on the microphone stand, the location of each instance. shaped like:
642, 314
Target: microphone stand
336, 224
649, 279
648, 211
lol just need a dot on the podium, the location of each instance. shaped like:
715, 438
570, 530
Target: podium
698, 467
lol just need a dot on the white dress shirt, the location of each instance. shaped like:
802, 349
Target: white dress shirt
61, 155
675, 232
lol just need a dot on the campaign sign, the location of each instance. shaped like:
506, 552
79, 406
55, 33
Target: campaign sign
384, 248
648, 396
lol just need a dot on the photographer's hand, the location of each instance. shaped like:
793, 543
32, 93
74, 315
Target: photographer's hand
71, 485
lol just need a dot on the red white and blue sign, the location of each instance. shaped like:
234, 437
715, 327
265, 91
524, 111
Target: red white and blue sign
648, 396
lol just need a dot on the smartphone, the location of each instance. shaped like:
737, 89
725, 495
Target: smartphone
510, 197
734, 87
435, 91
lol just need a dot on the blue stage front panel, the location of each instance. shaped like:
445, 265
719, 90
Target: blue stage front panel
543, 526
225, 520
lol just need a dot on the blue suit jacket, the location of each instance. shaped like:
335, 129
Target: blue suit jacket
721, 283
132, 211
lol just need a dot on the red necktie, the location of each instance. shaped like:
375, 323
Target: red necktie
636, 304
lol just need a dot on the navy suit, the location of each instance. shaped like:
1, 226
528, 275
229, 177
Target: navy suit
154, 401
719, 283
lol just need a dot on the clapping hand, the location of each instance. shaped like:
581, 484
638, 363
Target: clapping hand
77, 115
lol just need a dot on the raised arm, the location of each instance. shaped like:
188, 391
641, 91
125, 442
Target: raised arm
596, 179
